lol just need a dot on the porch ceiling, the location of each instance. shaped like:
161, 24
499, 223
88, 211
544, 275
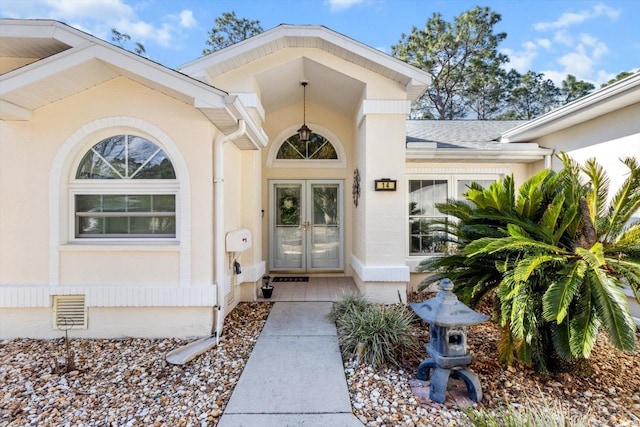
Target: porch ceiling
280, 87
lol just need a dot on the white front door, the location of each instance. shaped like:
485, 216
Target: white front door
306, 232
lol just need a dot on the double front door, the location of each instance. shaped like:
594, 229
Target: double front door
306, 233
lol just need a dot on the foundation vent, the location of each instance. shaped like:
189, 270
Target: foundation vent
69, 312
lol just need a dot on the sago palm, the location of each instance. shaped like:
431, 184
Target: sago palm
558, 256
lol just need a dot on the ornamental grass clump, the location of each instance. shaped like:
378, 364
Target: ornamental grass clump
379, 333
538, 413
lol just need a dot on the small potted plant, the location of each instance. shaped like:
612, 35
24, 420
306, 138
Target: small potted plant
267, 289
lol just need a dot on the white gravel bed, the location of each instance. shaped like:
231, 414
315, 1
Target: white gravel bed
124, 382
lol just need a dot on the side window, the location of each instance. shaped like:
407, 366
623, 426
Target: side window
125, 187
424, 195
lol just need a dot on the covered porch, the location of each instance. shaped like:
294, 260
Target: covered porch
315, 289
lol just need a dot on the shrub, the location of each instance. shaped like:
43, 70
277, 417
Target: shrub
557, 256
387, 333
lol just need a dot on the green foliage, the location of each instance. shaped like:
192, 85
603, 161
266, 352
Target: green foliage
538, 413
230, 29
349, 302
622, 75
121, 39
530, 95
556, 256
461, 57
387, 332
573, 89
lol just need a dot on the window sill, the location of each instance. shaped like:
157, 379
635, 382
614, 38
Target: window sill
93, 246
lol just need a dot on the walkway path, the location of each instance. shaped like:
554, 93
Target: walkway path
295, 375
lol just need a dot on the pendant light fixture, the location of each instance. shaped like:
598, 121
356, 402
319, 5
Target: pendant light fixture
304, 133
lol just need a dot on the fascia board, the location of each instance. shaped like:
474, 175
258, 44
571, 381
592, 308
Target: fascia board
416, 76
144, 69
43, 29
256, 134
467, 154
45, 67
619, 95
138, 68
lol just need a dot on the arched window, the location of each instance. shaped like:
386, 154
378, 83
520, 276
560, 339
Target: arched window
317, 148
125, 187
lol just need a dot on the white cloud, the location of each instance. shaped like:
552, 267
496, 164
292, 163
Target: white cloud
545, 43
187, 20
521, 60
563, 37
568, 19
340, 5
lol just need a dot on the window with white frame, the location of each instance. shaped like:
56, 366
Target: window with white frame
317, 148
425, 193
125, 187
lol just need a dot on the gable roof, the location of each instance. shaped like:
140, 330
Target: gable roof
285, 36
63, 61
468, 140
603, 101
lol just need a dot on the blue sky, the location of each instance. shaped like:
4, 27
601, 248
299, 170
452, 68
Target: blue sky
593, 40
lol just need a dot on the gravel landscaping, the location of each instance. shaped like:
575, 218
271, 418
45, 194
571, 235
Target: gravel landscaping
126, 383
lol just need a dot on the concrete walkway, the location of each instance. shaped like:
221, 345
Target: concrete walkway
294, 376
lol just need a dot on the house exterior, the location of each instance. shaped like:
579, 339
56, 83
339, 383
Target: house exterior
136, 200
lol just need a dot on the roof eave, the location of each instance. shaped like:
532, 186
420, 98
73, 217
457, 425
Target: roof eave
503, 155
613, 97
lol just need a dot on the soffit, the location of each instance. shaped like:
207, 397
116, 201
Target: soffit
19, 47
280, 87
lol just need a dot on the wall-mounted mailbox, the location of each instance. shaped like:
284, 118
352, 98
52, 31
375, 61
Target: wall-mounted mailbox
238, 240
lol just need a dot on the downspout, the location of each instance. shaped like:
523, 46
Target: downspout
547, 160
218, 212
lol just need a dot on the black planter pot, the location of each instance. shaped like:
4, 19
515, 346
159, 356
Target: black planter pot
266, 292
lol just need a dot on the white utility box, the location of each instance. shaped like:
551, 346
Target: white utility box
238, 240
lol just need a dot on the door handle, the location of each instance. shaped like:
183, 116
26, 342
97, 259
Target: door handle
306, 226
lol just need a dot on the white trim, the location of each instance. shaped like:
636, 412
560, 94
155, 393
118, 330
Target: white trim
382, 106
340, 162
380, 273
432, 170
21, 296
62, 176
251, 100
611, 98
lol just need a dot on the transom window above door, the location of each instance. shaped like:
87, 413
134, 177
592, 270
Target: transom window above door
125, 187
317, 148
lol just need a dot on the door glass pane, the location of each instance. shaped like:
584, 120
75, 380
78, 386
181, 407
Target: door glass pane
288, 234
325, 228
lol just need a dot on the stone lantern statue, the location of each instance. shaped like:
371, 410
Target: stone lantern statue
448, 319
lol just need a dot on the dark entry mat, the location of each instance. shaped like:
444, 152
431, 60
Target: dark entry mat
291, 279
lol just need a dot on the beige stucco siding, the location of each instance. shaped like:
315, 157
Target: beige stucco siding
34, 147
607, 138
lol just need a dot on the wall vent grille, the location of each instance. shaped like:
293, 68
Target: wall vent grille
69, 312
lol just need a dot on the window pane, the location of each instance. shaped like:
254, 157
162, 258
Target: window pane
425, 194
114, 203
318, 148
88, 225
106, 224
119, 225
164, 203
139, 203
89, 203
125, 156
